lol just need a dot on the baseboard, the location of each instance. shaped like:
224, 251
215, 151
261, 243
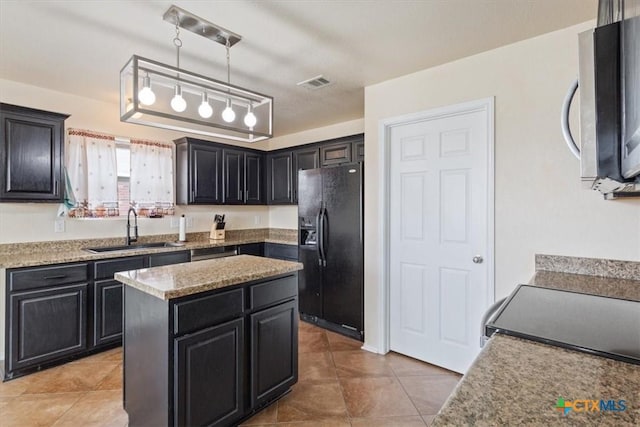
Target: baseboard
370, 348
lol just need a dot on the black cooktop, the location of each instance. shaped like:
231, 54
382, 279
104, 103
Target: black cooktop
608, 327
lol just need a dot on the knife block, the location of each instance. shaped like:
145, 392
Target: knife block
216, 234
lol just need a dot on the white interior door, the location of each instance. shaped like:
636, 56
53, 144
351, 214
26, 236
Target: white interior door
438, 222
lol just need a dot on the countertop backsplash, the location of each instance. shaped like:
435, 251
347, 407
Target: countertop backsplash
589, 266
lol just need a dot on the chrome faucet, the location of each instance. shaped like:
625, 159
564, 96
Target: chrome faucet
130, 239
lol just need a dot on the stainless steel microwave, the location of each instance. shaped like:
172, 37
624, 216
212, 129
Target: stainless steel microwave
609, 81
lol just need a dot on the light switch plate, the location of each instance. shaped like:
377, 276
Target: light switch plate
58, 225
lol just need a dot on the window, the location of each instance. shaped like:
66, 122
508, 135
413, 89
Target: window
123, 167
107, 175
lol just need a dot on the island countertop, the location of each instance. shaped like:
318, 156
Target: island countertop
178, 280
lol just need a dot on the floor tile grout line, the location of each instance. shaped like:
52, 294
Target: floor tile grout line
410, 399
68, 409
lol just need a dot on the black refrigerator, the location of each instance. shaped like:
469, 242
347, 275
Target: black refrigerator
330, 218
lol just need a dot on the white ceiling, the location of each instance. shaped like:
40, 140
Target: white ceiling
79, 47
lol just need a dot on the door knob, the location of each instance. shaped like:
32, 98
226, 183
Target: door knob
478, 259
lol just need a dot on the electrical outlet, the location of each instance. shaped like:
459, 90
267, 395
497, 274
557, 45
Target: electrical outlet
175, 222
189, 222
58, 225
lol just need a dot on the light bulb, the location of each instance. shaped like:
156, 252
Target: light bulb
228, 115
178, 103
146, 95
250, 119
205, 109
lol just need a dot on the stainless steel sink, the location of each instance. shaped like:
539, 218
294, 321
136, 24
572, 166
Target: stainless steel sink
132, 247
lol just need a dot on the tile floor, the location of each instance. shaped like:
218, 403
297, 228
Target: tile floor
339, 385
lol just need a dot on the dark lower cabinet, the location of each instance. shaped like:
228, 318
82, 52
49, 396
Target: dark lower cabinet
256, 249
107, 312
46, 324
281, 251
169, 258
209, 375
213, 358
274, 361
56, 313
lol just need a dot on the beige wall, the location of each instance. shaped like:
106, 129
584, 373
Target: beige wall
540, 206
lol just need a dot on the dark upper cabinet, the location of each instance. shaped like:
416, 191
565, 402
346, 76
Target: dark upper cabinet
31, 153
254, 179
209, 376
198, 173
232, 177
358, 151
243, 177
274, 362
279, 178
209, 173
335, 154
303, 159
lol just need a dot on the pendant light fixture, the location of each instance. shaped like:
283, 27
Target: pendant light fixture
168, 97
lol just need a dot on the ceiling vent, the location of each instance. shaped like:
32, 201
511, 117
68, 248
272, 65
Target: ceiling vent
314, 83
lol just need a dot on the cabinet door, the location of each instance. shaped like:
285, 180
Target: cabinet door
107, 312
253, 179
279, 178
307, 158
205, 174
274, 351
46, 325
233, 177
335, 154
209, 376
31, 155
358, 151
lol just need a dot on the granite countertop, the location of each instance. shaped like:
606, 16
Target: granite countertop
43, 253
178, 280
516, 381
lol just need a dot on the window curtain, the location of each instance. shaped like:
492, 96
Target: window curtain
151, 181
92, 174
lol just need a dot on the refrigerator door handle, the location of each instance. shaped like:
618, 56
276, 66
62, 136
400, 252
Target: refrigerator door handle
324, 221
319, 237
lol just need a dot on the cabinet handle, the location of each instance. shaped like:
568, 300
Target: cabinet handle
55, 186
61, 276
193, 195
246, 195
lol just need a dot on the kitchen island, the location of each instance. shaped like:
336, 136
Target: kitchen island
209, 342
516, 381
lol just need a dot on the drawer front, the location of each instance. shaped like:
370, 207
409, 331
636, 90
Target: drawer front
156, 260
107, 268
32, 278
280, 251
273, 291
207, 311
